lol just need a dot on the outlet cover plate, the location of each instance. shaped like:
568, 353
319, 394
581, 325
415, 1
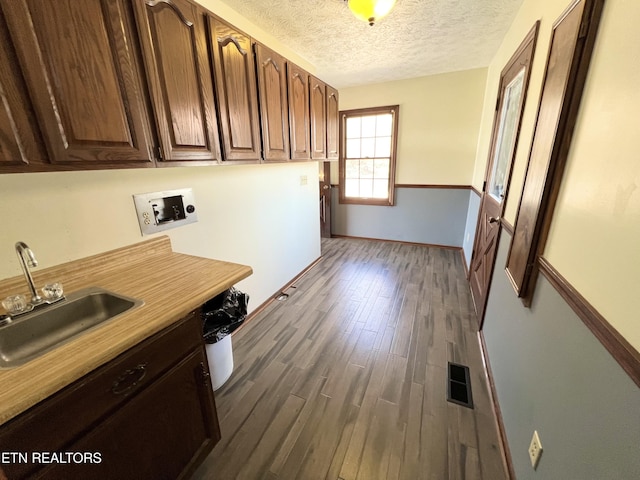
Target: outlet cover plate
535, 449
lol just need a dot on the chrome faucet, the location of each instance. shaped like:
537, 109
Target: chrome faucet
28, 259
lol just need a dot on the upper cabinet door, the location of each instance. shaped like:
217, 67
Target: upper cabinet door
298, 86
19, 141
274, 110
333, 124
318, 96
173, 36
79, 66
235, 79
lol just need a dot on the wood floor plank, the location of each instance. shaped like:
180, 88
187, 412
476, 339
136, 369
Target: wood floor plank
347, 378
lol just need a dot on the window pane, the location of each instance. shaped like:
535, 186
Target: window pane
383, 147
380, 188
384, 125
352, 168
366, 168
366, 188
369, 155
351, 188
353, 127
369, 126
353, 148
381, 168
368, 148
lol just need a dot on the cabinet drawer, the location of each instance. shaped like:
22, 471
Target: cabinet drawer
59, 420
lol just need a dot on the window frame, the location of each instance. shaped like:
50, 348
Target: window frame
361, 112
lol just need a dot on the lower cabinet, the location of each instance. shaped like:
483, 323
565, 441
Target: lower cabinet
149, 413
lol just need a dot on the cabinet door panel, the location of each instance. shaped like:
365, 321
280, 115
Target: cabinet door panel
173, 37
236, 91
164, 433
19, 140
78, 62
61, 420
317, 93
333, 125
298, 83
274, 110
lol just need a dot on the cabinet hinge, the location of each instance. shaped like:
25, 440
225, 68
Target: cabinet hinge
484, 186
497, 103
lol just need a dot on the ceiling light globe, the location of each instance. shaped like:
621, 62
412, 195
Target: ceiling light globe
371, 10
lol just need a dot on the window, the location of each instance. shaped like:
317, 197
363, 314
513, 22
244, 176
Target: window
368, 155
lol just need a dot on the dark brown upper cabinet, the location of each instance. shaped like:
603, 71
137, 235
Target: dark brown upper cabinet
19, 140
299, 129
78, 63
333, 124
174, 46
274, 106
235, 80
318, 102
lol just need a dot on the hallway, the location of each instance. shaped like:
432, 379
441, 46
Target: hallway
346, 379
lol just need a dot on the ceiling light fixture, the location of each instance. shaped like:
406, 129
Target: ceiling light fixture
371, 10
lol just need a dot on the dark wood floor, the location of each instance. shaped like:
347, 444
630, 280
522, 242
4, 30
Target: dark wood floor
347, 378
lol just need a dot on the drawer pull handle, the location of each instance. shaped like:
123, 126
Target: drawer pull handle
129, 380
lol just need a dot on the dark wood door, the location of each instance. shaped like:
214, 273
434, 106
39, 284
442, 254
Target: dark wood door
333, 124
235, 78
274, 109
318, 112
572, 42
19, 139
506, 128
79, 64
299, 129
173, 38
325, 199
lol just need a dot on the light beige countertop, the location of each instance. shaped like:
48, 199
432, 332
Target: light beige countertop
170, 284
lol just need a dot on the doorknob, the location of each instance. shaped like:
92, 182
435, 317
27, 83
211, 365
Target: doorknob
325, 187
494, 219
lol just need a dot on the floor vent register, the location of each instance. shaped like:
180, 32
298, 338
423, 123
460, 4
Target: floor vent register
459, 385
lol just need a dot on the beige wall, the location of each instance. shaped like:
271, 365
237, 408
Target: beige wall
245, 214
595, 236
438, 125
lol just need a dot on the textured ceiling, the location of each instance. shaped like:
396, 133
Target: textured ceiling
418, 37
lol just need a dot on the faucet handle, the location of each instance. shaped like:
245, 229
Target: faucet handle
52, 291
15, 304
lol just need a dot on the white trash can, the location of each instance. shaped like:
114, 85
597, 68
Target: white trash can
220, 359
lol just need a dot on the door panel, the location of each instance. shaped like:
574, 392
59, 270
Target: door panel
572, 43
236, 91
333, 124
19, 139
77, 58
298, 86
274, 110
174, 40
318, 96
506, 127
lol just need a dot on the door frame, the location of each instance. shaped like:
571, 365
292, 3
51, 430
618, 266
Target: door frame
523, 55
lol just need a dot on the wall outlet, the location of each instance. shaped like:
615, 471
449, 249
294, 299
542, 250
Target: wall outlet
303, 179
535, 449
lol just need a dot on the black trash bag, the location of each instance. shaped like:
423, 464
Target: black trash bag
223, 314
